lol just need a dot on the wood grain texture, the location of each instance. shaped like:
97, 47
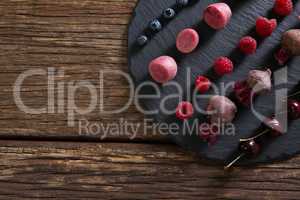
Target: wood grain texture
80, 37
45, 170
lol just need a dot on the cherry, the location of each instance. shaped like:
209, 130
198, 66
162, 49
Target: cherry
275, 127
294, 109
250, 148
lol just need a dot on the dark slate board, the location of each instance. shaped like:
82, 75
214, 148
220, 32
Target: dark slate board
214, 44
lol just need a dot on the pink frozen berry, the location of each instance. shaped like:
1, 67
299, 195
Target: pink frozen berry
217, 15
187, 40
163, 69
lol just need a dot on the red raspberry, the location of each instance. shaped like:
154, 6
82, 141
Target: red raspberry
243, 93
248, 45
202, 84
265, 27
223, 65
184, 110
282, 56
283, 7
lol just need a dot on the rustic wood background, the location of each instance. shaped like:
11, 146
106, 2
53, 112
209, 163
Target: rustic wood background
43, 158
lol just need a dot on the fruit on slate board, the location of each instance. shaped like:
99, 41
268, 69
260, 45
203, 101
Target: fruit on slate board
260, 80
250, 148
187, 40
169, 13
221, 109
291, 41
290, 46
243, 93
283, 7
248, 45
155, 25
265, 27
184, 110
217, 15
163, 69
275, 127
257, 82
202, 84
223, 65
282, 56
294, 109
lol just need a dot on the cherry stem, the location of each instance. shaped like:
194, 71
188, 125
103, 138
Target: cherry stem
255, 137
234, 161
292, 95
249, 139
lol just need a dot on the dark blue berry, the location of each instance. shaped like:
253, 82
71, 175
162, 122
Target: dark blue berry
142, 40
155, 25
169, 13
182, 2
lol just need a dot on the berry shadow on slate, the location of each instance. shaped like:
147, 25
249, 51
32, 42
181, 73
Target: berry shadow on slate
234, 4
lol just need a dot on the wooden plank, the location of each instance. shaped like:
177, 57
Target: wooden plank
79, 37
44, 170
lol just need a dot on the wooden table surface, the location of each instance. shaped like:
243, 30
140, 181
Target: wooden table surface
42, 157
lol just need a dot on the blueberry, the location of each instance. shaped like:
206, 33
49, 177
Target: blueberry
155, 25
142, 40
169, 13
182, 2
